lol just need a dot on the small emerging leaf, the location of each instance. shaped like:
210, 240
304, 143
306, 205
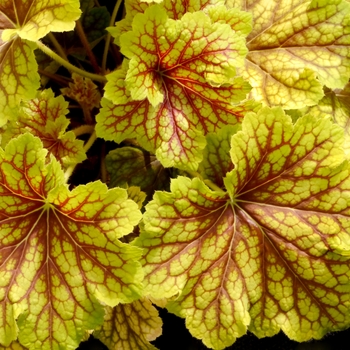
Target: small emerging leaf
45, 117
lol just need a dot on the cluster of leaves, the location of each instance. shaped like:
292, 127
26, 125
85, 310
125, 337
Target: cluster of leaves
222, 189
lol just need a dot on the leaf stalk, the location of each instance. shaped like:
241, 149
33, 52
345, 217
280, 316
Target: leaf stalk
68, 65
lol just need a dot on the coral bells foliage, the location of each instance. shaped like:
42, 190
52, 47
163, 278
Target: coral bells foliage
192, 154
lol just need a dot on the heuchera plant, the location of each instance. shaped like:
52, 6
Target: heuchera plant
194, 156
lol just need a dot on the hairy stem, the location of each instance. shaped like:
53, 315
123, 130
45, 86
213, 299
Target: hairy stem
68, 65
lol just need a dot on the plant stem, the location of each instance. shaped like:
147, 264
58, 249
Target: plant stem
68, 65
88, 144
58, 46
57, 78
213, 186
208, 182
90, 141
83, 129
86, 44
108, 37
87, 113
103, 164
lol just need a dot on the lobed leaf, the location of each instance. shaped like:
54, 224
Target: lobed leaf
19, 22
295, 48
130, 326
45, 117
60, 256
18, 75
168, 103
32, 20
190, 47
271, 253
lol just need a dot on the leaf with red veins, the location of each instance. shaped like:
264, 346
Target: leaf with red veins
295, 48
13, 346
21, 21
239, 21
174, 129
271, 253
84, 91
175, 9
18, 75
60, 256
45, 117
130, 326
32, 20
163, 49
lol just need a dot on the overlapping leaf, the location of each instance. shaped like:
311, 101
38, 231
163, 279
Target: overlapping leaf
129, 166
174, 9
295, 48
21, 21
337, 105
59, 250
45, 117
216, 157
130, 326
165, 97
273, 251
18, 75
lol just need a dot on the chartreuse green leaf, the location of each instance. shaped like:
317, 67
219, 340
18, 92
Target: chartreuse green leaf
130, 326
165, 97
191, 47
295, 48
175, 9
335, 104
60, 256
271, 253
239, 20
21, 21
18, 75
13, 346
45, 117
33, 20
